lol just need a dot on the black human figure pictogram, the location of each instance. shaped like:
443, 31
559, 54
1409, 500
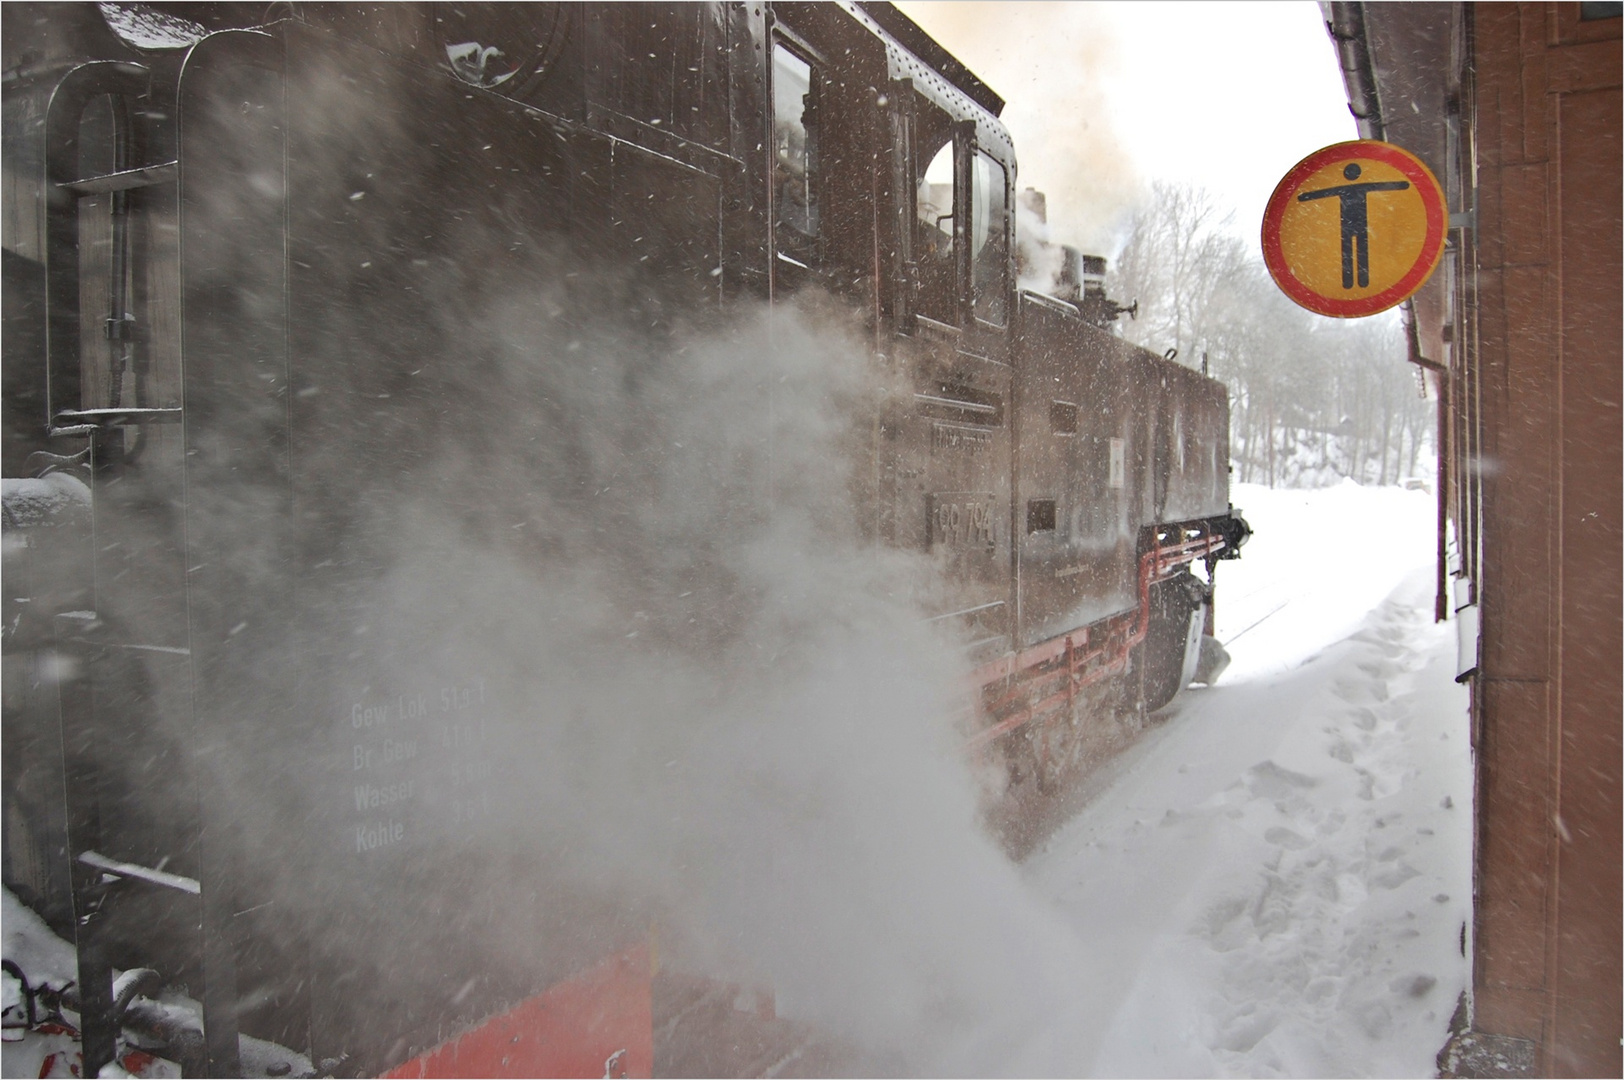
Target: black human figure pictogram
1355, 222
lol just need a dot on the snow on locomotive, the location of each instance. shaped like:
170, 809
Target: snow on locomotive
238, 370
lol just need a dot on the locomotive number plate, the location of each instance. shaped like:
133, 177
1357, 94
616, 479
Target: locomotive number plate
962, 520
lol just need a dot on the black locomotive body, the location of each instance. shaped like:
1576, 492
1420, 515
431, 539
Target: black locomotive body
240, 245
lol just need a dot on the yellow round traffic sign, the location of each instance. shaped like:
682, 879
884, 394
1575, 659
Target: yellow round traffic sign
1354, 228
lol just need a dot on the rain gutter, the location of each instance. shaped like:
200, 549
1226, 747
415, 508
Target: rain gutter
1345, 22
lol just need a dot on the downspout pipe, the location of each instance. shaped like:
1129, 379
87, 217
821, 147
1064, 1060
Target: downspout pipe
1345, 22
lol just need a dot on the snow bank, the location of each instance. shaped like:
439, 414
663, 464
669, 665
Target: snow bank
1307, 458
29, 943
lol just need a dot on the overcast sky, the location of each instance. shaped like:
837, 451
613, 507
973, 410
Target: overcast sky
1106, 97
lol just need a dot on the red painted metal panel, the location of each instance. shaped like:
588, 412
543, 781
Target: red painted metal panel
599, 1023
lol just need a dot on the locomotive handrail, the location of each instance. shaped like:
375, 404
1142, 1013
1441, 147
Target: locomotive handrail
98, 861
988, 606
113, 416
1063, 307
957, 403
80, 422
124, 179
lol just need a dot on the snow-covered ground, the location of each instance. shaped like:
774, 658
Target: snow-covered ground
51, 1047
1281, 868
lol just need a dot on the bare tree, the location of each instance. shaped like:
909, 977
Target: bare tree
1179, 256
1312, 399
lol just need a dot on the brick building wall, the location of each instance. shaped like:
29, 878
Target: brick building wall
1516, 108
1545, 128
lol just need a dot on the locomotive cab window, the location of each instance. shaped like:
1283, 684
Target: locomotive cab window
935, 229
113, 267
989, 247
107, 321
795, 156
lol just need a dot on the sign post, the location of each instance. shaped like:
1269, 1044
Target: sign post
1354, 229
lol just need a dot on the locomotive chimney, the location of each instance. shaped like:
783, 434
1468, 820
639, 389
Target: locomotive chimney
1035, 203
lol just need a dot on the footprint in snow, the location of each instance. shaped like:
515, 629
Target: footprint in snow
1415, 986
1241, 1038
1392, 879
1270, 781
1363, 718
1320, 989
1373, 1018
1220, 913
1387, 644
1379, 669
1356, 690
1286, 838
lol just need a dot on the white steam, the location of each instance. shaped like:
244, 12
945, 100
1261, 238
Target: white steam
734, 718
1055, 66
633, 531
1040, 261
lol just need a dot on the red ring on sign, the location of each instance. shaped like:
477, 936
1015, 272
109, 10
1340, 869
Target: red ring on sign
1432, 247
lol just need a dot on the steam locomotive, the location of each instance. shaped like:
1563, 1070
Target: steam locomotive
241, 245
